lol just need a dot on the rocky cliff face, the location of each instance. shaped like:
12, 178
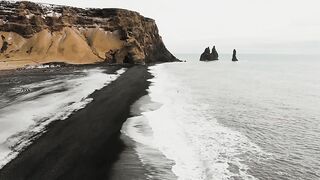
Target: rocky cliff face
38, 33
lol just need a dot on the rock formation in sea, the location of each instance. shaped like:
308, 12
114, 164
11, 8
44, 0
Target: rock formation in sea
205, 56
209, 56
234, 55
41, 33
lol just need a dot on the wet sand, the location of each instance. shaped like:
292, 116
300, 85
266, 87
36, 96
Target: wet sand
128, 166
87, 144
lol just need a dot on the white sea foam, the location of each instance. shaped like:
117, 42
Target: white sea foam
182, 126
139, 130
29, 114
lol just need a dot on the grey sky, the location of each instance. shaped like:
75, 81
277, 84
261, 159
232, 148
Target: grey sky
251, 26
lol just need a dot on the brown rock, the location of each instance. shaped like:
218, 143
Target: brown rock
76, 35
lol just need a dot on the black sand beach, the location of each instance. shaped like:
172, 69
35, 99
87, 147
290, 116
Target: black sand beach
86, 145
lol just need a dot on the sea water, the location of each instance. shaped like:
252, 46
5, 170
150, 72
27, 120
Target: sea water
258, 118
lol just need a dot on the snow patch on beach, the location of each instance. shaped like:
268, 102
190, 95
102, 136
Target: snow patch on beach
26, 118
178, 123
41, 66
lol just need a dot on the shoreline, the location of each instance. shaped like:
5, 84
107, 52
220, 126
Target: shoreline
87, 144
54, 64
129, 165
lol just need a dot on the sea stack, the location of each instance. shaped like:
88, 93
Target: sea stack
33, 33
209, 56
234, 55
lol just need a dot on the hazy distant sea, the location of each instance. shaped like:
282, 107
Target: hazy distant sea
258, 118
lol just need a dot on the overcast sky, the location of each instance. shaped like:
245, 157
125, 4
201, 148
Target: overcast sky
251, 26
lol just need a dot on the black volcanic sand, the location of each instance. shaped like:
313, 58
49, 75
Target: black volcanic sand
86, 145
128, 166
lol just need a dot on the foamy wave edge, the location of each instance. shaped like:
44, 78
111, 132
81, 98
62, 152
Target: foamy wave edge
34, 131
191, 156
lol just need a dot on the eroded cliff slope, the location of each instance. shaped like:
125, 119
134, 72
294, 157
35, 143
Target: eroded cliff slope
40, 33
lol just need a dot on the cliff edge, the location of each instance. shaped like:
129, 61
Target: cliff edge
34, 34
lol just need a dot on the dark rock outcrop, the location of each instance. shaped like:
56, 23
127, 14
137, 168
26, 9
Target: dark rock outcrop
76, 34
5, 44
214, 54
234, 55
209, 56
205, 56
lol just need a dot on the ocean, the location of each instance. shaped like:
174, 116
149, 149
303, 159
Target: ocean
258, 118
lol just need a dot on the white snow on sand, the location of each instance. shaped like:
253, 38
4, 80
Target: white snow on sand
56, 100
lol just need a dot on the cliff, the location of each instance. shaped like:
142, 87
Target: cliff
41, 33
